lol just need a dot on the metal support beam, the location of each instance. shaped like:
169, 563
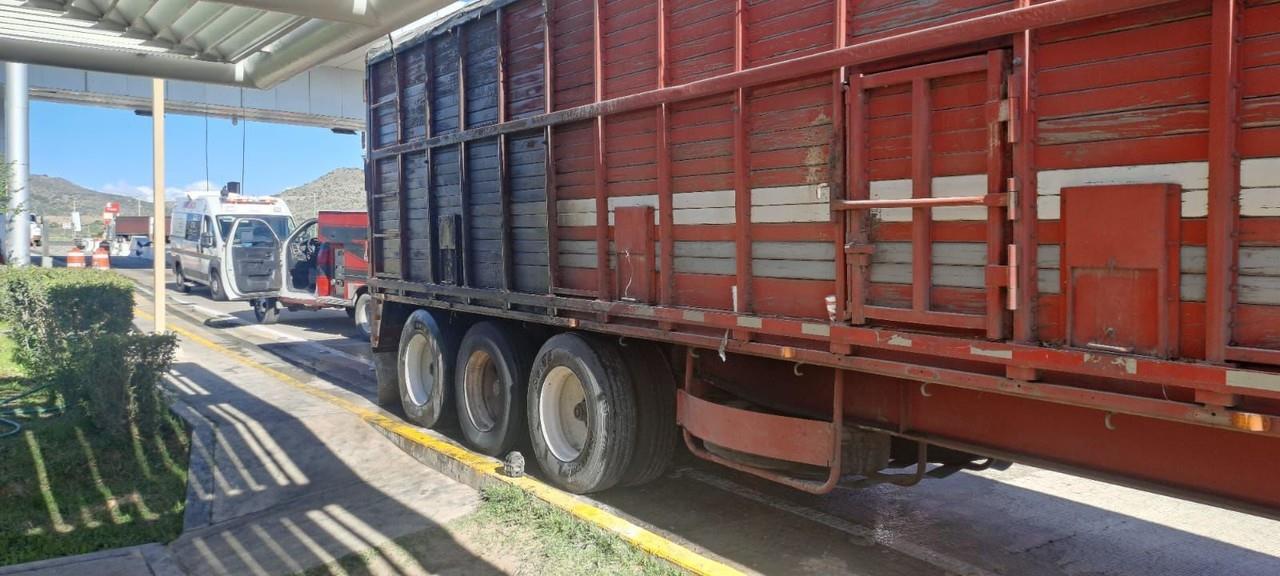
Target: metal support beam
158, 216
17, 161
1224, 179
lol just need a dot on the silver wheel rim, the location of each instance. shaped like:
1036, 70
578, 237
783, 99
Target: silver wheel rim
362, 314
422, 363
563, 412
482, 390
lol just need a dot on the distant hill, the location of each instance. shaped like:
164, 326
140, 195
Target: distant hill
55, 197
341, 189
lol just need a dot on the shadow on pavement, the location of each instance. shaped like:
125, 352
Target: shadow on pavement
288, 483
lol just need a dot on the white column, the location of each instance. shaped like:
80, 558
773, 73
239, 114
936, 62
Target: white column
158, 230
17, 136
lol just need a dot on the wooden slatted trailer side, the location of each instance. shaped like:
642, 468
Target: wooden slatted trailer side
825, 238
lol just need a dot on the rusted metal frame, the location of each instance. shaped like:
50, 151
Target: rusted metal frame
921, 187
741, 173
1224, 179
504, 187
429, 62
997, 215
929, 71
1103, 401
548, 146
978, 28
929, 317
402, 206
1078, 470
810, 486
464, 186
371, 185
1208, 377
837, 169
1023, 133
601, 165
991, 200
858, 239
666, 198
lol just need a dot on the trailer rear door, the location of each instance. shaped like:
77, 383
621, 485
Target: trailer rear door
926, 213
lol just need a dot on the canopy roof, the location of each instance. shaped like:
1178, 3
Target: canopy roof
250, 43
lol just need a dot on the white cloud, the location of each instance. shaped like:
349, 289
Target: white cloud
124, 188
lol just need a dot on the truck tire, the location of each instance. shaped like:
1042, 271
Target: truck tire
656, 431
386, 370
180, 279
215, 286
492, 372
427, 351
362, 314
582, 418
265, 310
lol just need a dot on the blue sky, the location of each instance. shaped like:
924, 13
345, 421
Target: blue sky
110, 150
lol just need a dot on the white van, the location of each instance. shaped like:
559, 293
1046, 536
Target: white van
227, 241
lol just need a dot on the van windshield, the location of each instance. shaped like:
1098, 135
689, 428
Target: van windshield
281, 225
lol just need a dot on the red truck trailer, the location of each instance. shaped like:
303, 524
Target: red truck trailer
833, 243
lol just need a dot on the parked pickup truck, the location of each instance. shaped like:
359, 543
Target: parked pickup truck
321, 264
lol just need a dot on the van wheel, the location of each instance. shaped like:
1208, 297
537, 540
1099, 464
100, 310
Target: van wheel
180, 279
427, 350
215, 286
582, 418
655, 389
265, 310
493, 370
362, 314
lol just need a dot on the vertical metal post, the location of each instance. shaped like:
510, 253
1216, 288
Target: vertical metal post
997, 218
601, 178
859, 182
838, 172
17, 136
921, 187
666, 197
158, 208
741, 172
1022, 133
1224, 179
548, 147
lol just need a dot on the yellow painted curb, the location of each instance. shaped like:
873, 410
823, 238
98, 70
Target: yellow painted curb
637, 536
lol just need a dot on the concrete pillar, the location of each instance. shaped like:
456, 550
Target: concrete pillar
157, 220
17, 137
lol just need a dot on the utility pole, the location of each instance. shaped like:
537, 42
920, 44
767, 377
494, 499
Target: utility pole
17, 136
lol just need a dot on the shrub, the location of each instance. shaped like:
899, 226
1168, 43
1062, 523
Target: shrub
116, 378
50, 310
72, 329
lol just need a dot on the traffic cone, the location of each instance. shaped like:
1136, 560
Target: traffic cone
75, 258
101, 259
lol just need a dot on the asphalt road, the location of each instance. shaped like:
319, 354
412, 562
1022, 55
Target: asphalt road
1024, 520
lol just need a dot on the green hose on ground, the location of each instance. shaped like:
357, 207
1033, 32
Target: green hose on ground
7, 415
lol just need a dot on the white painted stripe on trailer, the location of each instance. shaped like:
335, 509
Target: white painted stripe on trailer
943, 187
1193, 177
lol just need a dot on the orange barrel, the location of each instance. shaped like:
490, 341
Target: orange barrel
75, 258
101, 259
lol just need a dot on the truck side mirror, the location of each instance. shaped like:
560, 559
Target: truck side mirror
206, 240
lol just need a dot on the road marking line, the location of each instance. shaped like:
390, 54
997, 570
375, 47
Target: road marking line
947, 563
270, 332
637, 536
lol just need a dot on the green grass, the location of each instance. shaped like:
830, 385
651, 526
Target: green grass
8, 369
510, 531
67, 489
562, 544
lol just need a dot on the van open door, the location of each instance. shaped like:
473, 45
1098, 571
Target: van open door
253, 260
